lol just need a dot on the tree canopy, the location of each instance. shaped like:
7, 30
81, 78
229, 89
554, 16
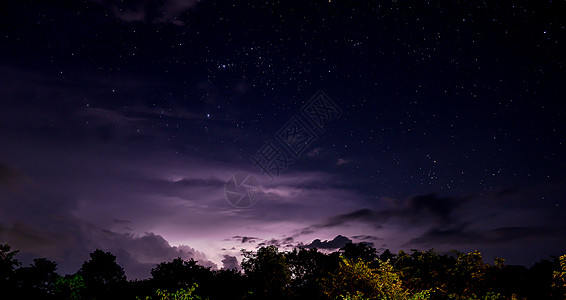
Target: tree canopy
356, 271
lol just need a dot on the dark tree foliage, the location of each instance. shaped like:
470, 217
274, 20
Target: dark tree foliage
70, 287
8, 264
387, 256
508, 280
229, 284
540, 274
309, 268
268, 272
181, 273
426, 271
103, 276
363, 251
38, 280
356, 271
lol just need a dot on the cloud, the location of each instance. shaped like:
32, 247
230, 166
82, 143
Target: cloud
500, 235
245, 239
420, 209
364, 215
137, 13
271, 242
168, 11
106, 116
137, 254
173, 9
342, 161
336, 243
230, 262
366, 237
314, 152
178, 186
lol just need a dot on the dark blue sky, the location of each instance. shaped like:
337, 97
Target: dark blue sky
120, 122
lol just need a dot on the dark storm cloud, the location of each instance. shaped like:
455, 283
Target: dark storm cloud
361, 215
440, 208
75, 239
420, 209
41, 220
338, 242
501, 235
272, 242
245, 239
287, 240
248, 239
230, 262
366, 237
27, 236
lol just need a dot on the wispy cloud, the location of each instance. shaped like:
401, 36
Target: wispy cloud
169, 11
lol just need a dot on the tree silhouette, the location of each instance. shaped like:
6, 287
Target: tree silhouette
228, 284
181, 273
308, 269
363, 251
102, 275
268, 272
8, 264
353, 272
37, 280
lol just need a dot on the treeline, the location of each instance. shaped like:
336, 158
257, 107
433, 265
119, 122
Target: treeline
356, 271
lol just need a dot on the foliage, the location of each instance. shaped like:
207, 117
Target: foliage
355, 272
102, 275
268, 272
37, 280
309, 268
181, 294
70, 287
469, 273
8, 263
354, 279
363, 251
425, 271
559, 279
179, 274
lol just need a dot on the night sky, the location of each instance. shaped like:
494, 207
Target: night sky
122, 121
